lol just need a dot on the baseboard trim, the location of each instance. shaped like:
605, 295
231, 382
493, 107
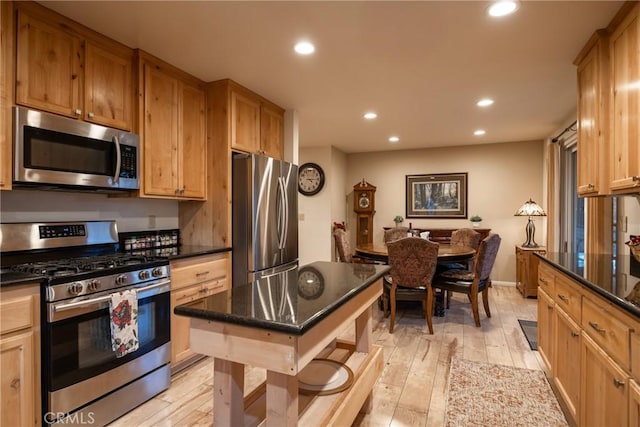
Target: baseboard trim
502, 283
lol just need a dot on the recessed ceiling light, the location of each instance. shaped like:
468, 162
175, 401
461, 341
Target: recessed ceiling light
394, 139
484, 102
370, 115
479, 132
304, 48
503, 8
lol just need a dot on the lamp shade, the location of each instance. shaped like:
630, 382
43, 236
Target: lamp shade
530, 208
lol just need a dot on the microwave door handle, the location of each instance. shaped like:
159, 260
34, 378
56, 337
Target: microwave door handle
116, 175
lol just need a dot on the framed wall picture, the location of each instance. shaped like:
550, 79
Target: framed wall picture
440, 195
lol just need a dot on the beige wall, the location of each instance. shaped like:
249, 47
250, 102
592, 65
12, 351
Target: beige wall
501, 178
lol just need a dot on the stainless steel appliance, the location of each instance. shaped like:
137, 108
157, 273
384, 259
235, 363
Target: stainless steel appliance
82, 379
55, 151
265, 217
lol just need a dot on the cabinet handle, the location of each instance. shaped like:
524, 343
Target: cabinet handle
78, 112
635, 178
542, 279
204, 273
590, 185
550, 307
575, 334
563, 298
618, 383
15, 384
203, 290
90, 115
595, 326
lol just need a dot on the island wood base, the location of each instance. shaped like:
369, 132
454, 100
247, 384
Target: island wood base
284, 356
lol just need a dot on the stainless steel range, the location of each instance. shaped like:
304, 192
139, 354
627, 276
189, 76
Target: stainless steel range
83, 379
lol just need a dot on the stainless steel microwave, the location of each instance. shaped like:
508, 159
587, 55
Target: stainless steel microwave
55, 151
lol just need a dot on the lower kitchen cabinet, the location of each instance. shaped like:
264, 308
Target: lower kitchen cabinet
546, 331
193, 279
566, 372
604, 388
634, 404
20, 355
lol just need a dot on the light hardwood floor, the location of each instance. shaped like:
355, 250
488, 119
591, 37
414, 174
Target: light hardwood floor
412, 388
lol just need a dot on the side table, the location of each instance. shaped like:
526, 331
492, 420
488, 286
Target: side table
527, 270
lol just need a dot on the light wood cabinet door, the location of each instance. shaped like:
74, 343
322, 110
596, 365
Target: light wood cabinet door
566, 373
48, 67
6, 93
108, 87
192, 159
17, 371
160, 152
604, 391
546, 329
634, 404
593, 141
272, 130
625, 75
245, 122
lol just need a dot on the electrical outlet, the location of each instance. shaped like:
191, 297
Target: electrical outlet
300, 217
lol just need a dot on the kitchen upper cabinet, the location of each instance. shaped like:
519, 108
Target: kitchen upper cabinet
173, 132
6, 92
593, 120
62, 69
624, 46
20, 355
256, 124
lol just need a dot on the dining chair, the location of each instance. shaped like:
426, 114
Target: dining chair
475, 281
395, 233
461, 237
344, 252
413, 264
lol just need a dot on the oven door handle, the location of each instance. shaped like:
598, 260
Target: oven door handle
71, 305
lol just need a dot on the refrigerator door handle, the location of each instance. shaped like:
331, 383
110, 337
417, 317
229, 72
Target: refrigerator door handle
293, 267
285, 199
282, 217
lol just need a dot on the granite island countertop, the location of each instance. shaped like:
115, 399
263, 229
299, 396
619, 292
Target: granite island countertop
602, 273
292, 302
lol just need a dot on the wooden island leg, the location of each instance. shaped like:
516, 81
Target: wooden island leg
228, 393
282, 400
364, 344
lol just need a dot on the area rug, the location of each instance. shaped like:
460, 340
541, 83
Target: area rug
530, 329
486, 394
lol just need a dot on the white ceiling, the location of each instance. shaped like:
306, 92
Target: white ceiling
420, 65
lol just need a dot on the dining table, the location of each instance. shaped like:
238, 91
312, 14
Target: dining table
447, 253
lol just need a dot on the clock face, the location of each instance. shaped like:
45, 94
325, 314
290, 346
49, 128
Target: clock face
310, 283
364, 201
310, 179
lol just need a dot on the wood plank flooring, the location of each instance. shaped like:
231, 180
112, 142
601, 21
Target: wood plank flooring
412, 388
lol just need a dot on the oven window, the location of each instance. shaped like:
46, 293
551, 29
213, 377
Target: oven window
80, 347
51, 150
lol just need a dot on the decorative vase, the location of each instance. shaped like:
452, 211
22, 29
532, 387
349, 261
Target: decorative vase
475, 224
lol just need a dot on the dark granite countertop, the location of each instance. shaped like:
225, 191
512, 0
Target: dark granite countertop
603, 274
9, 278
291, 303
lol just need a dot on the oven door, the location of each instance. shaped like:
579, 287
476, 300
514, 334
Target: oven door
79, 364
59, 151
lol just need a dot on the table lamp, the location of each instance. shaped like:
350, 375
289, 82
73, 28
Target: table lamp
530, 208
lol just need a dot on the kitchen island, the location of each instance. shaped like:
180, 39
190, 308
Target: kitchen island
281, 324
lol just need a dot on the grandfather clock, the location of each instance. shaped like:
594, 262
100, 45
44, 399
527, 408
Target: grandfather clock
364, 207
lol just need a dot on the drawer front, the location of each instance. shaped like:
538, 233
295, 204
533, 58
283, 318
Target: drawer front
546, 278
16, 314
197, 270
609, 332
567, 296
199, 290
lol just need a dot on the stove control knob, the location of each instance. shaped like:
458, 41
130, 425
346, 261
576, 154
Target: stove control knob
75, 288
143, 275
93, 285
156, 272
121, 279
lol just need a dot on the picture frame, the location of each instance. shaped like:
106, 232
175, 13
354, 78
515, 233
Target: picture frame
438, 195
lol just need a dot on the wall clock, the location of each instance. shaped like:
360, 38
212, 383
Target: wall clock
310, 283
310, 179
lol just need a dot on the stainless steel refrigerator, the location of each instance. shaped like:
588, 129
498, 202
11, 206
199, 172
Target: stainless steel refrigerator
265, 217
